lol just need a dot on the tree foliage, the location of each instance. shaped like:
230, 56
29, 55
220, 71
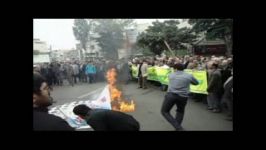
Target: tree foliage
215, 28
167, 31
111, 35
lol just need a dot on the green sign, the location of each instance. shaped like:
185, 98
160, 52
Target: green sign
134, 71
201, 76
152, 74
161, 75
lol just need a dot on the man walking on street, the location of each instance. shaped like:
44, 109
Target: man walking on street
177, 94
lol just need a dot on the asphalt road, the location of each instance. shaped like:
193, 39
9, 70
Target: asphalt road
148, 105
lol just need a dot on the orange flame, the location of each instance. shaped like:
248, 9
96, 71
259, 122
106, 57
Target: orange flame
117, 102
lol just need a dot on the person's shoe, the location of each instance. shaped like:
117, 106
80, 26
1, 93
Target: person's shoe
210, 108
216, 110
229, 119
180, 129
139, 87
204, 102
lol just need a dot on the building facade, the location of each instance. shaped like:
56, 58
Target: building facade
40, 46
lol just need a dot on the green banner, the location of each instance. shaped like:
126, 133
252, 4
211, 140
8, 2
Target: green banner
201, 76
166, 80
152, 74
134, 71
161, 75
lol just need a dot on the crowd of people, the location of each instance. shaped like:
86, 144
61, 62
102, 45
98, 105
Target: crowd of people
219, 77
219, 74
80, 72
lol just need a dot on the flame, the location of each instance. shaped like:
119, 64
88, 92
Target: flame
117, 102
125, 107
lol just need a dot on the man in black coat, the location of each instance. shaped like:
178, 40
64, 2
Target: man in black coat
214, 89
106, 120
228, 96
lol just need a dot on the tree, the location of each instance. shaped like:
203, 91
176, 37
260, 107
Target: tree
81, 32
215, 28
165, 35
111, 35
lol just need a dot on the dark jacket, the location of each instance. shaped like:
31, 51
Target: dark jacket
228, 94
186, 64
42, 121
108, 120
226, 73
215, 82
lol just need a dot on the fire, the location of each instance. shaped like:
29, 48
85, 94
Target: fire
125, 107
117, 102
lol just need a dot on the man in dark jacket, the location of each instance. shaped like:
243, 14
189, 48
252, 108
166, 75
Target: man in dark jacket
106, 120
177, 94
214, 89
228, 96
42, 121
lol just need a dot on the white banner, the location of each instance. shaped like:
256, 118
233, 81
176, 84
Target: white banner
65, 111
103, 101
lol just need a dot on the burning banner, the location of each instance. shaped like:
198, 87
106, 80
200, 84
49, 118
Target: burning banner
117, 101
109, 98
103, 101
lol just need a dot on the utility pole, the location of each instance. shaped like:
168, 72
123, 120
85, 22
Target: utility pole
169, 47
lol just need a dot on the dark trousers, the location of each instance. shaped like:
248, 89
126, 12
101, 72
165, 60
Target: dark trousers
83, 77
143, 82
170, 100
75, 78
49, 80
140, 81
91, 78
213, 100
70, 79
54, 80
229, 103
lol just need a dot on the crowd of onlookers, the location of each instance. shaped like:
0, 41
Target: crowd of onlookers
73, 72
219, 77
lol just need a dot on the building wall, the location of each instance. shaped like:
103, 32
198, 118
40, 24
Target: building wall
40, 45
57, 55
132, 36
92, 47
72, 54
219, 49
